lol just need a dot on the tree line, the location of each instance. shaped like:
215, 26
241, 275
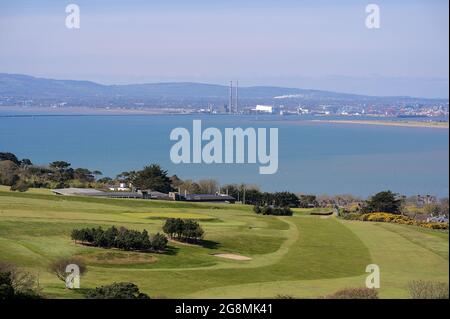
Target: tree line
23, 174
183, 229
121, 238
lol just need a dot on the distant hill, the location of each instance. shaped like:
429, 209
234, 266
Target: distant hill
15, 88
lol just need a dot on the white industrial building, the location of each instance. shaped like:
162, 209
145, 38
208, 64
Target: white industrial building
264, 109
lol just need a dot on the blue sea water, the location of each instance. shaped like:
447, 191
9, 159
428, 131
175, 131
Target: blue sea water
319, 158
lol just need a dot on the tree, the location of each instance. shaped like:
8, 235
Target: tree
8, 173
189, 187
306, 201
286, 199
176, 181
159, 242
97, 173
174, 227
153, 177
61, 172
444, 206
208, 186
183, 229
252, 193
58, 267
192, 230
253, 197
20, 186
16, 283
60, 165
105, 180
386, 202
121, 290
432, 209
6, 156
83, 175
26, 162
275, 211
127, 177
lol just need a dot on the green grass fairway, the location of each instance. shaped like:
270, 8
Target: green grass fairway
303, 256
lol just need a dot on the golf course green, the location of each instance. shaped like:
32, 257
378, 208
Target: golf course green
302, 256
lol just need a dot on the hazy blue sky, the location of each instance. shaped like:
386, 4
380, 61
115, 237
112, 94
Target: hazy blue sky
309, 44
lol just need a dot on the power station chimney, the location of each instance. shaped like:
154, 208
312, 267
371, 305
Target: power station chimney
231, 97
237, 97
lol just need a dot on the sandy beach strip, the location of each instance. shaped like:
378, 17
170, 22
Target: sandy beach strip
440, 125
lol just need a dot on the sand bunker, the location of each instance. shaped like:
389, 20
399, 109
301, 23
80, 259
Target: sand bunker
233, 256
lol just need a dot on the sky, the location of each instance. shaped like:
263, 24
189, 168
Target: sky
305, 44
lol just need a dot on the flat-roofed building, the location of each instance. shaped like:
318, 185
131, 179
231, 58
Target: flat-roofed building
264, 109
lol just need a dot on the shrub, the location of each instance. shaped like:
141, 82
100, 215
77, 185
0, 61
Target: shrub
159, 242
20, 186
121, 290
354, 293
16, 283
183, 229
428, 290
351, 216
400, 219
275, 211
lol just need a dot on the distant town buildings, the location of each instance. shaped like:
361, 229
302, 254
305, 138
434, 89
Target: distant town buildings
145, 194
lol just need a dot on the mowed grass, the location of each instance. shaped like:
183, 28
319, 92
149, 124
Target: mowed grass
304, 256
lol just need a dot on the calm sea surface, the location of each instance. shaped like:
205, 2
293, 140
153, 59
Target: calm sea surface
313, 158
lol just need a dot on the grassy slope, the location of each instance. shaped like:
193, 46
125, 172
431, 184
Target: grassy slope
301, 255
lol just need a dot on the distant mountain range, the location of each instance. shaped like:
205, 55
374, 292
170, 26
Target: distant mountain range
16, 88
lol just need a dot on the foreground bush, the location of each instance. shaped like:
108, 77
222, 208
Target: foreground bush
121, 238
354, 293
16, 283
428, 290
121, 290
275, 211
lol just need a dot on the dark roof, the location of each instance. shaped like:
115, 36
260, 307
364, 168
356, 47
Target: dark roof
120, 195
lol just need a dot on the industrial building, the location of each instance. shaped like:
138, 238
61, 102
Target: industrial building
269, 109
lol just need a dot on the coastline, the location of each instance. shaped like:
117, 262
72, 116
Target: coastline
438, 125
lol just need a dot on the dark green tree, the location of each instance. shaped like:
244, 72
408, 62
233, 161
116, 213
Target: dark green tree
159, 242
286, 199
6, 156
60, 165
153, 177
386, 202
